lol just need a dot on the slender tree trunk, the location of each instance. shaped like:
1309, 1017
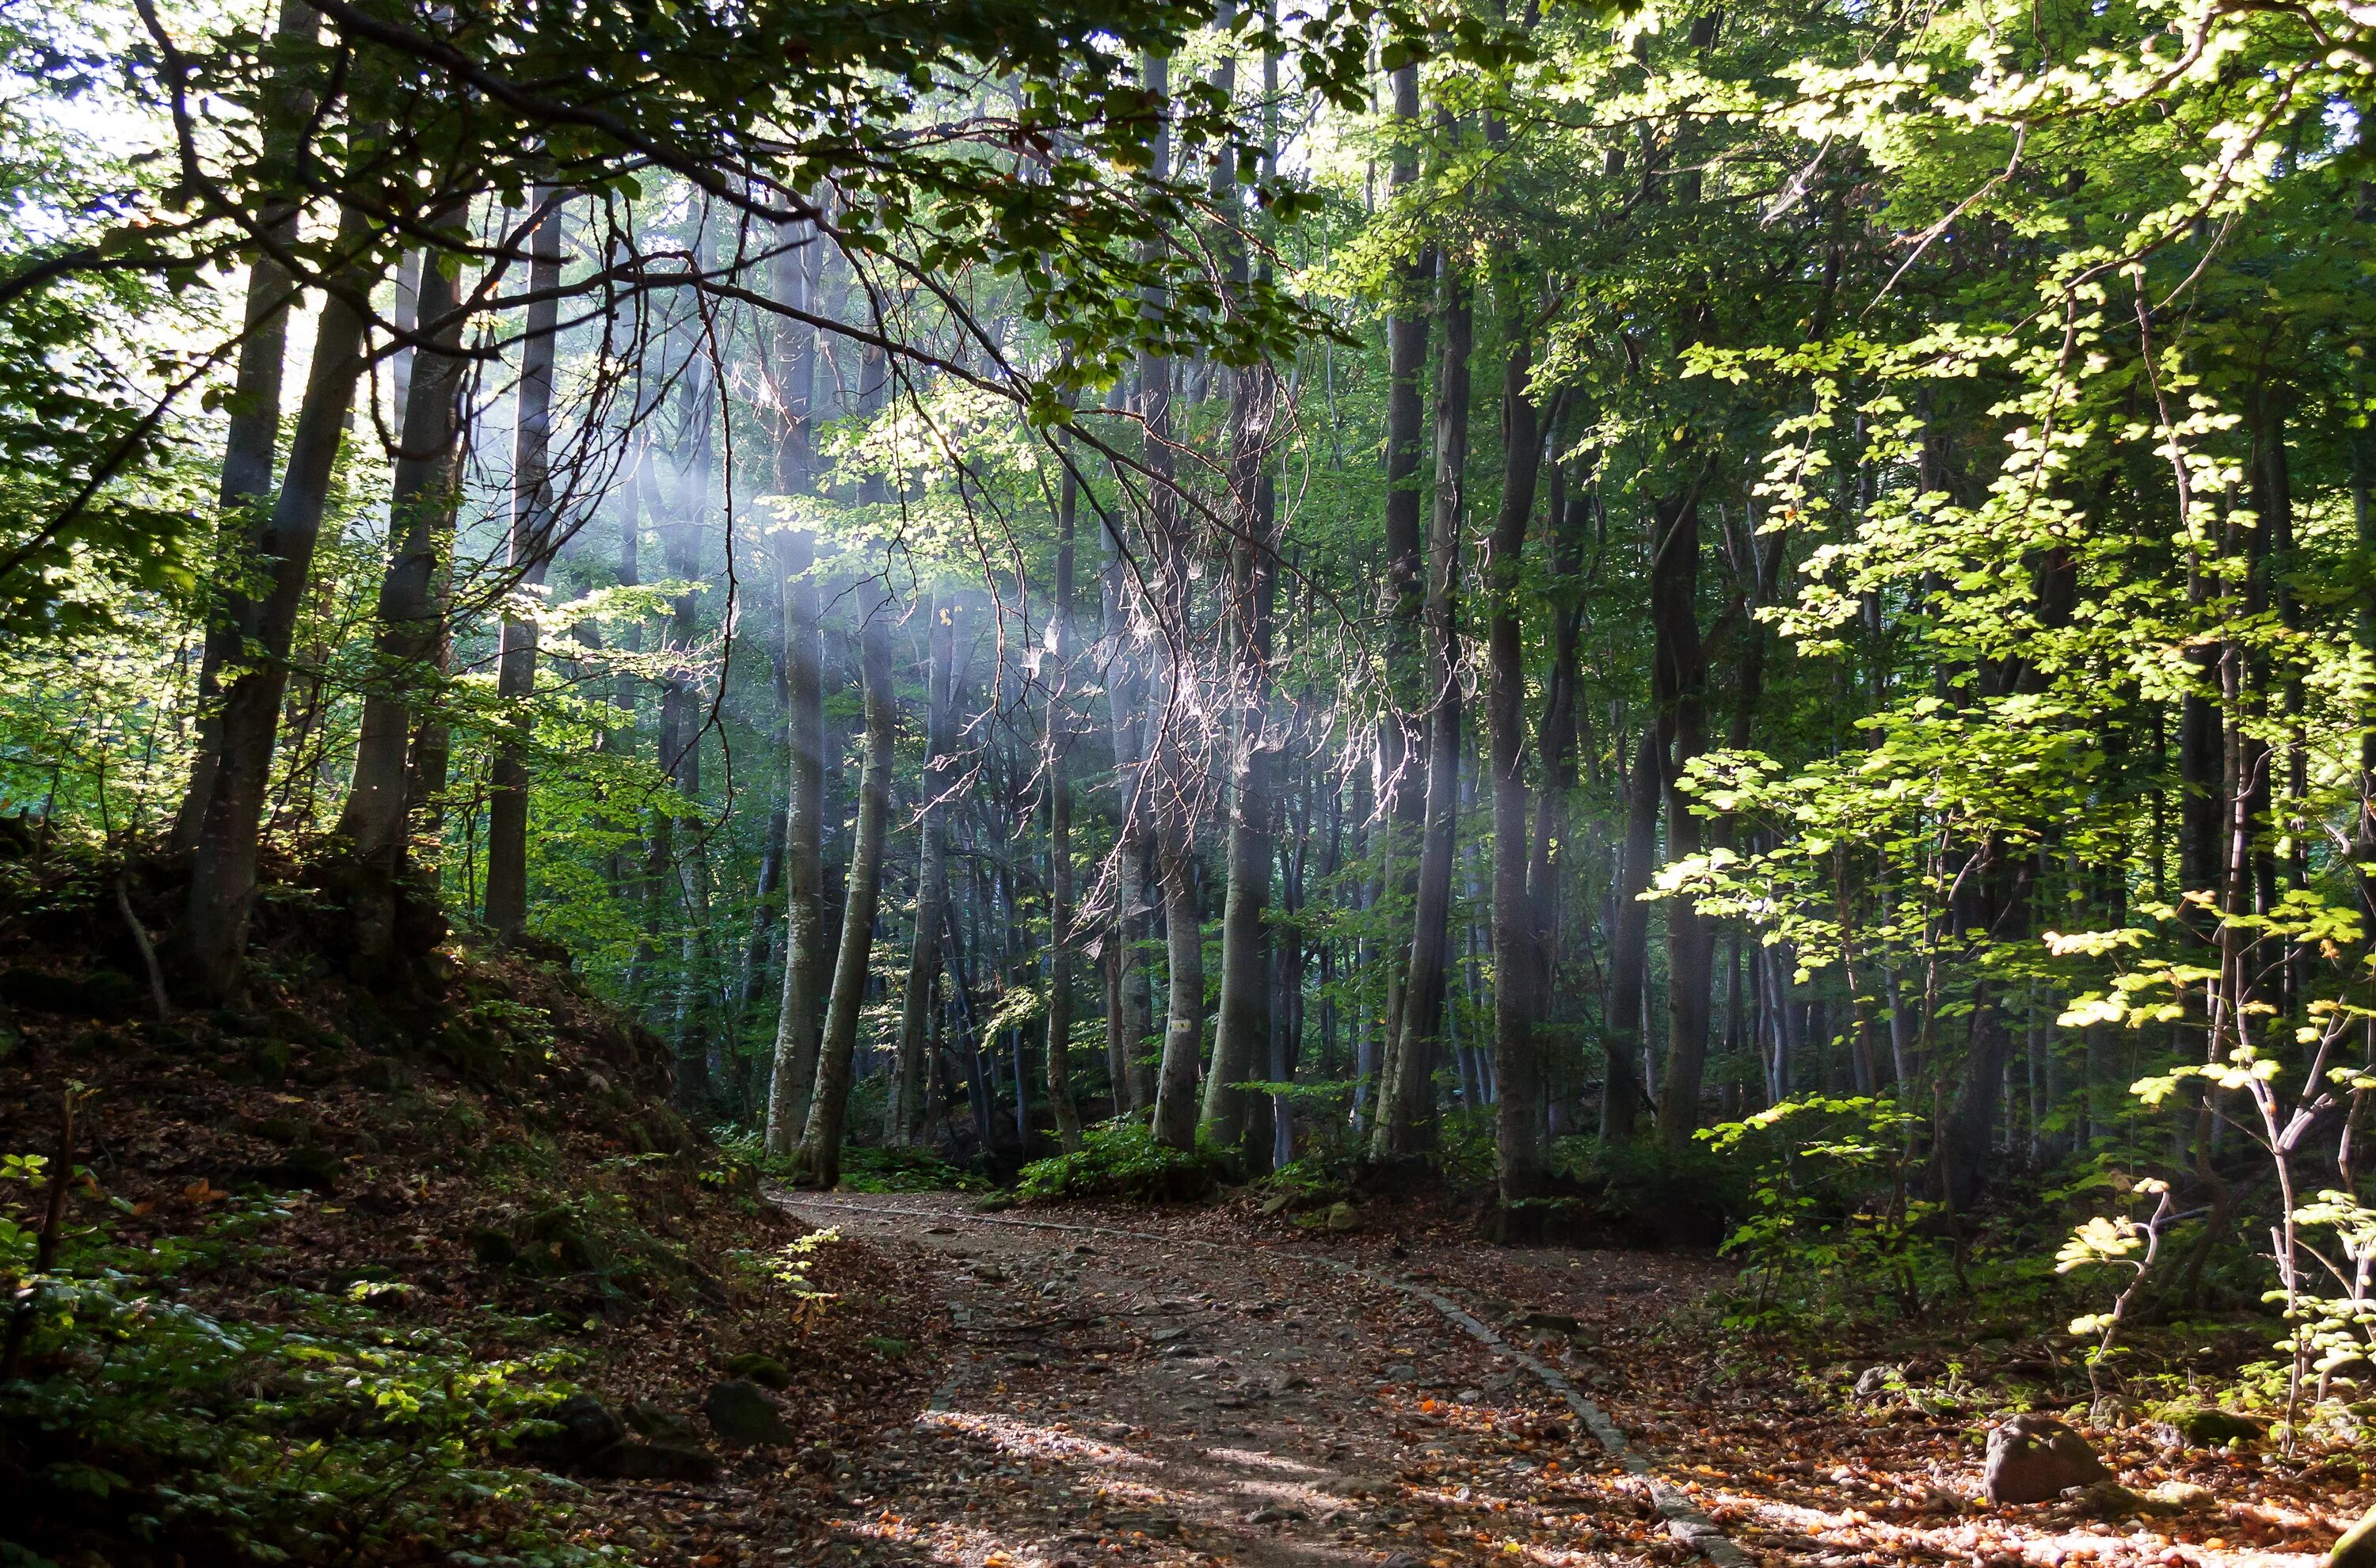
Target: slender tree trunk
800, 1015
532, 541
1691, 937
1406, 1125
1401, 790
253, 432
1517, 1065
1243, 1019
1056, 761
1628, 945
817, 1161
212, 941
905, 1120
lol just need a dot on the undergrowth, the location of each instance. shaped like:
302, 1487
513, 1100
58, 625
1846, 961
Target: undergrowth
1121, 1159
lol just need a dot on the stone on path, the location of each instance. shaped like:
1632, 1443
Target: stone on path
2033, 1458
743, 1413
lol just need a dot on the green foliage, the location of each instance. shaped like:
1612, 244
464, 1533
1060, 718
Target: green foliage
331, 1431
904, 1169
1833, 1228
1121, 1159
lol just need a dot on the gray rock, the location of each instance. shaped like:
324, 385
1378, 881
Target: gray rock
743, 1414
583, 1428
2357, 1547
765, 1371
634, 1460
2032, 1458
1873, 1382
659, 1423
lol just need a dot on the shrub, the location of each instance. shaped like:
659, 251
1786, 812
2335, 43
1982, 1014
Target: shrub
1121, 1159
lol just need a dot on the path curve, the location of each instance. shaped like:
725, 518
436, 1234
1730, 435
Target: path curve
1121, 1400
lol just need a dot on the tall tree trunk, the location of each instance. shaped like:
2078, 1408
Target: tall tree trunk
680, 749
410, 640
1628, 945
1406, 1124
817, 1161
1401, 789
212, 941
797, 1019
1243, 1026
531, 545
1517, 1065
254, 430
1681, 680
1056, 760
904, 1123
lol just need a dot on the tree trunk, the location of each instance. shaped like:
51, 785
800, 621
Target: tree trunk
799, 1016
1629, 947
1242, 1023
1401, 793
253, 432
1517, 1067
1406, 1124
532, 542
212, 942
1681, 682
904, 1122
1056, 761
817, 1161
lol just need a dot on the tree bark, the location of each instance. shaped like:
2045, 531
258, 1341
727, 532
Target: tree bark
1406, 1125
212, 942
817, 1162
799, 1016
1681, 682
1242, 1025
904, 1122
1517, 1065
1628, 945
531, 546
1401, 793
254, 433
1056, 760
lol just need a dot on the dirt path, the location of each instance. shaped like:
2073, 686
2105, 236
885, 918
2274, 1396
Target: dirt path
1123, 1400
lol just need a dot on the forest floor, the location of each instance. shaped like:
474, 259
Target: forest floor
1201, 1386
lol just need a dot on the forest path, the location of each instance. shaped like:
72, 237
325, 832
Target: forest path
1125, 1398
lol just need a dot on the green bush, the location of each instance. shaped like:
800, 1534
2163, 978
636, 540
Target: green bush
162, 1431
1121, 1159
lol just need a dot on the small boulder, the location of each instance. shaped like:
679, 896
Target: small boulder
1342, 1216
765, 1371
2209, 1426
2182, 1497
582, 1427
746, 1414
634, 1460
1551, 1322
659, 1423
1873, 1382
2032, 1458
2357, 1547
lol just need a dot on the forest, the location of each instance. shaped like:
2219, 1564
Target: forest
650, 641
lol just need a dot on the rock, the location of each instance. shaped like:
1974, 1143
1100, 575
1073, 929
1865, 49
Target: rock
1277, 1202
1402, 1372
765, 1371
633, 1460
582, 1429
1873, 1382
1551, 1322
2209, 1426
1341, 1217
2357, 1547
659, 1423
1166, 1335
743, 1414
2110, 1500
490, 1246
2110, 1411
2032, 1458
2184, 1496
1271, 1514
